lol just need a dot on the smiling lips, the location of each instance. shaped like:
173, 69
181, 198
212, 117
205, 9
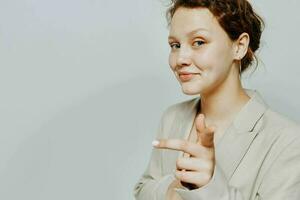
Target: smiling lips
186, 76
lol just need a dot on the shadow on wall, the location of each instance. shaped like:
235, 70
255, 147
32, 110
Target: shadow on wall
86, 151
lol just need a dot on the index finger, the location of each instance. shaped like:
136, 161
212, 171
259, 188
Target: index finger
180, 145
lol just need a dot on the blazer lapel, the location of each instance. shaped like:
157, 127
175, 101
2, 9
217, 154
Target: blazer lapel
238, 137
236, 140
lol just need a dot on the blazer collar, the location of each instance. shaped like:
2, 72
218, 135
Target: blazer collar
238, 137
247, 117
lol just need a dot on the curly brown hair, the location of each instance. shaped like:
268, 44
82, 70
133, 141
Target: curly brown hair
234, 16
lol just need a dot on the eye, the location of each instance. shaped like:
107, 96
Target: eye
198, 43
174, 45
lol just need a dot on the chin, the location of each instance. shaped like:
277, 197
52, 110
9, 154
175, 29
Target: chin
190, 89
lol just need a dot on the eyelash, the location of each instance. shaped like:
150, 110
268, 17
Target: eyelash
198, 41
173, 44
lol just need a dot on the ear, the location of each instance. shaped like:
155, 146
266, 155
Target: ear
241, 46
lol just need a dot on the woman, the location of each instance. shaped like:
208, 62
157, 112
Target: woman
228, 144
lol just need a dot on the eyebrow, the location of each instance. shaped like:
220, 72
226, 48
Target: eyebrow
190, 33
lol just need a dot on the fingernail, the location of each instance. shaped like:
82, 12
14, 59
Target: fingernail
155, 143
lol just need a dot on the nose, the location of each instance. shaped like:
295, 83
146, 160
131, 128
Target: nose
183, 58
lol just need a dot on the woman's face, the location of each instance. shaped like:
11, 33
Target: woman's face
199, 46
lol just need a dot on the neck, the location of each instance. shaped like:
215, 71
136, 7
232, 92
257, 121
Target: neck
221, 105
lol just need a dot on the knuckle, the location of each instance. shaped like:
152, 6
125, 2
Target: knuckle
206, 165
183, 176
185, 145
210, 165
206, 177
210, 154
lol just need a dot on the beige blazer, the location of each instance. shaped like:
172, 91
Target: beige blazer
257, 158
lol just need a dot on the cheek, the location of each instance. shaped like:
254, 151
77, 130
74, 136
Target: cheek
223, 53
213, 58
172, 61
203, 60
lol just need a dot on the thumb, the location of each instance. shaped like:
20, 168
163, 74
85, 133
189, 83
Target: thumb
205, 135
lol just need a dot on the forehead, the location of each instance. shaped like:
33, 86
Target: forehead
186, 20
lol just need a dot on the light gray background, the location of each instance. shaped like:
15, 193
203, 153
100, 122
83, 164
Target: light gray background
83, 84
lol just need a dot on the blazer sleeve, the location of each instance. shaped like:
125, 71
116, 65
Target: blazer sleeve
216, 189
153, 185
282, 181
